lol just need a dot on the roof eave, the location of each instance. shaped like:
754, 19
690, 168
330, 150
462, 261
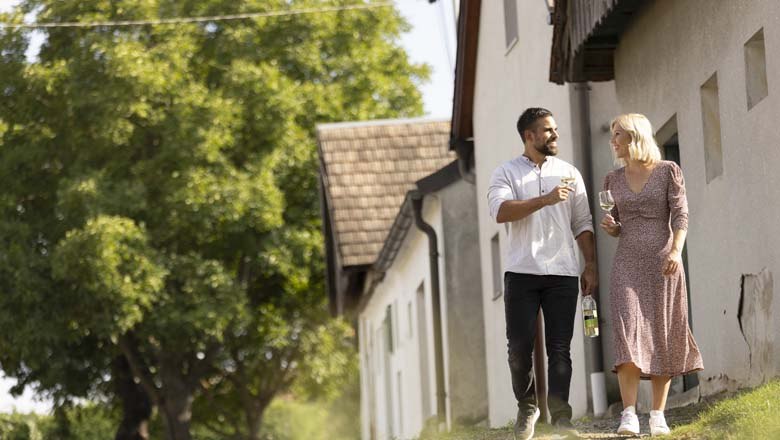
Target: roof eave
585, 36
465, 72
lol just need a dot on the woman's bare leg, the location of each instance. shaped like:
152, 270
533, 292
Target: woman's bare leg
660, 391
628, 379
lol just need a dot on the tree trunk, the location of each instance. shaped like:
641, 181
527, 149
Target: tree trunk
61, 422
176, 402
178, 415
136, 404
254, 423
254, 409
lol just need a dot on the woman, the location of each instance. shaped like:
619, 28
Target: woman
647, 286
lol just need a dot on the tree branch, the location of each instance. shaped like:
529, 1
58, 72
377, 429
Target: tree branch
139, 367
200, 368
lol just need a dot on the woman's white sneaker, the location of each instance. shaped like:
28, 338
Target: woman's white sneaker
658, 424
629, 422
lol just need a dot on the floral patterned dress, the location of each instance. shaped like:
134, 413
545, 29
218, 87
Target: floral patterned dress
650, 309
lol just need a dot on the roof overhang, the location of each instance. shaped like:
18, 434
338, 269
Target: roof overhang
462, 129
585, 36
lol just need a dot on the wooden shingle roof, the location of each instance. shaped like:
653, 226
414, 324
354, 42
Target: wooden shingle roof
367, 169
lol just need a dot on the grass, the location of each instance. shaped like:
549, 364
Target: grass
749, 414
753, 414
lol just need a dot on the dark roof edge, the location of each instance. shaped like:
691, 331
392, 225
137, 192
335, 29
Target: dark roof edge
558, 51
330, 239
462, 127
440, 179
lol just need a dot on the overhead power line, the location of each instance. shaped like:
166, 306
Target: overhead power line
180, 20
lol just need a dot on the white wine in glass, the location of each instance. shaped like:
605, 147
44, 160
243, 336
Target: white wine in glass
568, 181
606, 201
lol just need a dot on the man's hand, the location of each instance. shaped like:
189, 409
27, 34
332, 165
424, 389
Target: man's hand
557, 195
589, 279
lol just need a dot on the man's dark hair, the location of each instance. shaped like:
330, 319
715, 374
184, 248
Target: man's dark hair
529, 116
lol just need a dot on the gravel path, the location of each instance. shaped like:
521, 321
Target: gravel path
603, 428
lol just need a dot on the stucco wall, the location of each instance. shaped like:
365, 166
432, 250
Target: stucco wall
508, 82
603, 107
661, 63
466, 327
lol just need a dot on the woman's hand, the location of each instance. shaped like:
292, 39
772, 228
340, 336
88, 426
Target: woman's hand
610, 225
673, 262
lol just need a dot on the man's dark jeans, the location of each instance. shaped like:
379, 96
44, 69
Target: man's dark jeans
557, 296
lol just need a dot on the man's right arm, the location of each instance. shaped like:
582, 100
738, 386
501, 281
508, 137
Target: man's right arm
514, 210
504, 208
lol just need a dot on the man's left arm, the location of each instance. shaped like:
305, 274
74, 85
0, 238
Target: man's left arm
582, 227
589, 278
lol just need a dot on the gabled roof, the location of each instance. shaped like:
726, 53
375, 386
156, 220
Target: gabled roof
367, 168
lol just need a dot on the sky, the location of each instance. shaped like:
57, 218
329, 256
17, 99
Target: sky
431, 41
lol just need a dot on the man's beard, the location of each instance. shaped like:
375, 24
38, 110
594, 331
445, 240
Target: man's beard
547, 149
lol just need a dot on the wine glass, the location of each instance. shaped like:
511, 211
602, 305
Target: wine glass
568, 181
606, 201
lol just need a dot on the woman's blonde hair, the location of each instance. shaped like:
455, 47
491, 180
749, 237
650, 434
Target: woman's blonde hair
643, 146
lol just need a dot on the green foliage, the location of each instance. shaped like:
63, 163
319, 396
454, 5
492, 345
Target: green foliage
332, 363
159, 196
112, 273
22, 427
84, 422
87, 422
292, 419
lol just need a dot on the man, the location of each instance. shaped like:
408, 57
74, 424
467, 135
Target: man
546, 214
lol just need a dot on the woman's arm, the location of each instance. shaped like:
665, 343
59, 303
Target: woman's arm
674, 259
678, 219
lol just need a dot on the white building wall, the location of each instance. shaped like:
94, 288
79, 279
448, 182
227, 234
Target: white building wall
662, 61
399, 288
508, 82
603, 107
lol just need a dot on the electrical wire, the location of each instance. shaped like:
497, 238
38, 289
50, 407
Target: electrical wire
180, 20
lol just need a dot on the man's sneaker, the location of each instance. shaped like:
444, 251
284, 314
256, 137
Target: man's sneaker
629, 422
658, 424
564, 426
524, 426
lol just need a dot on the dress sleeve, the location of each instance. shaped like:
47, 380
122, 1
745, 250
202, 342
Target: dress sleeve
608, 185
678, 202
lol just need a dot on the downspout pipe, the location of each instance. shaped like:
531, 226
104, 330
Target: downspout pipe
596, 352
438, 345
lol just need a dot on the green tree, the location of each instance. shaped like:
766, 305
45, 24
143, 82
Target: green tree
159, 219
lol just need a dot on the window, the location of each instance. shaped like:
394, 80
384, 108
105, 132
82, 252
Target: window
710, 114
510, 23
755, 69
397, 329
667, 140
495, 261
389, 329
